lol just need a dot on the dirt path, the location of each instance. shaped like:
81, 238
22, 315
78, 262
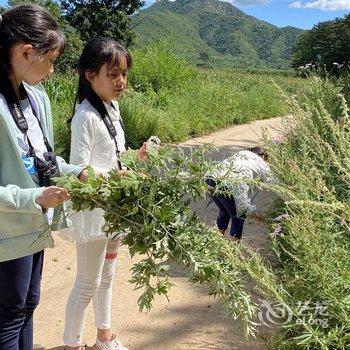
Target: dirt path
192, 320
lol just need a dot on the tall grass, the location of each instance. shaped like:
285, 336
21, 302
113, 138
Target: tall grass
169, 98
313, 165
61, 90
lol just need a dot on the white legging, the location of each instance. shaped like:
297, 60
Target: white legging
95, 272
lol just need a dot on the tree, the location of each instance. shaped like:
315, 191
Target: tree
69, 59
326, 43
49, 5
102, 18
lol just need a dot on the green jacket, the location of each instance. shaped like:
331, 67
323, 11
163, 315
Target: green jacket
23, 225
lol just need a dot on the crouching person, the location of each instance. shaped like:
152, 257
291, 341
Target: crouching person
231, 192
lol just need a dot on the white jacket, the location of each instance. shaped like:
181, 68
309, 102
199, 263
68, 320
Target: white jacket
232, 174
92, 145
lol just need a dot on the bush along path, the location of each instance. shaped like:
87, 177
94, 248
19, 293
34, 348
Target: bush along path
313, 165
153, 203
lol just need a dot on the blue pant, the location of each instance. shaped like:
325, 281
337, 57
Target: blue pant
227, 212
19, 296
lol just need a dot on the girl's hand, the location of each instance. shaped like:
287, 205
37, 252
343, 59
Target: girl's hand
52, 197
83, 176
142, 152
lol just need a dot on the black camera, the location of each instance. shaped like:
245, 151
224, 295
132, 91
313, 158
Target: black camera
47, 169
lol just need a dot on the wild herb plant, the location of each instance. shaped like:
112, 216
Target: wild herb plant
313, 164
153, 203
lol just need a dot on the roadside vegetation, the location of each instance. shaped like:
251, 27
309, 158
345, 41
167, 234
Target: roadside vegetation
174, 100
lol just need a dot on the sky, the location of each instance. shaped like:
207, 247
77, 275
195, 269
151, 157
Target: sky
296, 13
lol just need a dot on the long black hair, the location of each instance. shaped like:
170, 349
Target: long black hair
28, 24
96, 53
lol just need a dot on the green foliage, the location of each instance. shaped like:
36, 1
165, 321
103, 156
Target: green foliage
62, 90
326, 43
215, 34
313, 165
344, 82
49, 5
101, 18
157, 67
192, 102
169, 98
152, 203
69, 59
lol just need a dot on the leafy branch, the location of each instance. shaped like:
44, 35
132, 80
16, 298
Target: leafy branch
153, 203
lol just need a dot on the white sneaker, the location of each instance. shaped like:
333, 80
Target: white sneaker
113, 344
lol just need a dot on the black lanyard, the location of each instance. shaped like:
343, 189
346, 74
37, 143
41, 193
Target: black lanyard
9, 93
98, 104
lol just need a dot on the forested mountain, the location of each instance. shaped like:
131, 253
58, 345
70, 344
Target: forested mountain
216, 33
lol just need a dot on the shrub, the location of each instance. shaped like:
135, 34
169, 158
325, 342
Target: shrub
157, 67
62, 90
313, 165
169, 98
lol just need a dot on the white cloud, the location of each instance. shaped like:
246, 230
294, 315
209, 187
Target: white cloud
324, 5
296, 5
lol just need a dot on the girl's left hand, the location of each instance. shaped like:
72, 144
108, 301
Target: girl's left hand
142, 152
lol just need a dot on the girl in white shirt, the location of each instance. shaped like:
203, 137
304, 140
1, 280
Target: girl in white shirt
97, 141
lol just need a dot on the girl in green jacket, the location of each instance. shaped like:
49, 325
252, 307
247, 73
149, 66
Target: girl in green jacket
30, 42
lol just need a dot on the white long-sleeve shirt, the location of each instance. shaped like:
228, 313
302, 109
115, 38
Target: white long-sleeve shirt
92, 145
233, 172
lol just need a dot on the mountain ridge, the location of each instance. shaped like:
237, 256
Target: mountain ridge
216, 33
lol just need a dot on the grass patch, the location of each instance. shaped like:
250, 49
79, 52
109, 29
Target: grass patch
171, 99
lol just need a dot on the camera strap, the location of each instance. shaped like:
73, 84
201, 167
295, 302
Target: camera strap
97, 103
7, 90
